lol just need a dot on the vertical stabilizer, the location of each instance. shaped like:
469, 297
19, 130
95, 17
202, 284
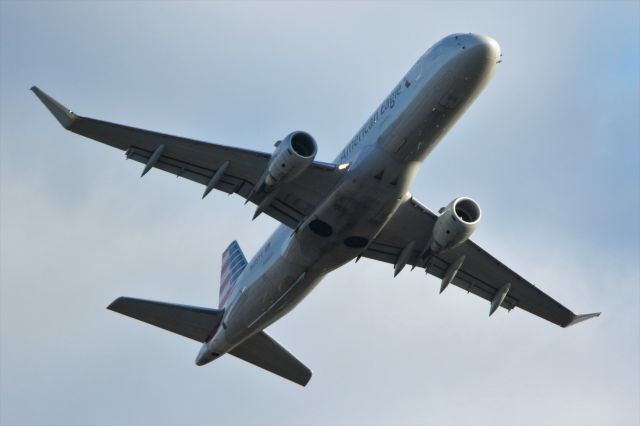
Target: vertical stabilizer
233, 263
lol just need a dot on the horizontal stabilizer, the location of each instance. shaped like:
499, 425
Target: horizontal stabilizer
579, 318
264, 352
188, 321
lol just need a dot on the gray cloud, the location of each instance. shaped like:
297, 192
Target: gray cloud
550, 150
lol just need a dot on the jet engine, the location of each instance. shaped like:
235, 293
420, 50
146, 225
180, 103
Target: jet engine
455, 224
292, 156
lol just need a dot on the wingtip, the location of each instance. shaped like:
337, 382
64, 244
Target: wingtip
579, 318
305, 380
64, 115
113, 305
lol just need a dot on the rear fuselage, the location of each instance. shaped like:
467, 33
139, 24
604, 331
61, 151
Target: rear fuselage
383, 157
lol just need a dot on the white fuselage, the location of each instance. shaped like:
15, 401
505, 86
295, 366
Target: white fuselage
384, 157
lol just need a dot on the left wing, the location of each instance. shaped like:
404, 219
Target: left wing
240, 169
480, 273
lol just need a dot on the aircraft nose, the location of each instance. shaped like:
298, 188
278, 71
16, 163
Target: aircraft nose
488, 47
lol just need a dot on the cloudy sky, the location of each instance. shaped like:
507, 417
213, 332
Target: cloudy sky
550, 150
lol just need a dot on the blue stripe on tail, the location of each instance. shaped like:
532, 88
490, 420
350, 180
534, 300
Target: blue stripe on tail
233, 263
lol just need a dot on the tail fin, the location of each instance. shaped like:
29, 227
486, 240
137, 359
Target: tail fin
233, 263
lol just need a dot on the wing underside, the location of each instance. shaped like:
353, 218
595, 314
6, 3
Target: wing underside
480, 274
240, 169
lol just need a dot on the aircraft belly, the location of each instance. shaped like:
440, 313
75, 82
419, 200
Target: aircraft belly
272, 295
355, 212
359, 208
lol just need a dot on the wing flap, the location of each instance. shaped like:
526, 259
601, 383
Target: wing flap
188, 321
264, 352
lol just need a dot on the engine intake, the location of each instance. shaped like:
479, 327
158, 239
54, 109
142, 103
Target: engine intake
292, 156
455, 225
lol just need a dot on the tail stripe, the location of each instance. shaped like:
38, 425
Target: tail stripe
233, 263
232, 270
231, 275
228, 283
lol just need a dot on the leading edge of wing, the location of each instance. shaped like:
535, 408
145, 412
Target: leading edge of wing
64, 115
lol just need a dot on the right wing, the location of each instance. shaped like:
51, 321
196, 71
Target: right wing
199, 162
480, 274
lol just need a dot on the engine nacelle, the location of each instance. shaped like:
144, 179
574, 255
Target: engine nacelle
292, 156
455, 225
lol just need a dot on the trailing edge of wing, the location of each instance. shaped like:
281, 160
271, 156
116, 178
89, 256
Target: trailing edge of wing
579, 318
64, 115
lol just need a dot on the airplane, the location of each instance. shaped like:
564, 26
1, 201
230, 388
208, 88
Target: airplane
331, 213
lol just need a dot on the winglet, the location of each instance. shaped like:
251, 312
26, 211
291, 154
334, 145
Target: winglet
579, 318
64, 115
